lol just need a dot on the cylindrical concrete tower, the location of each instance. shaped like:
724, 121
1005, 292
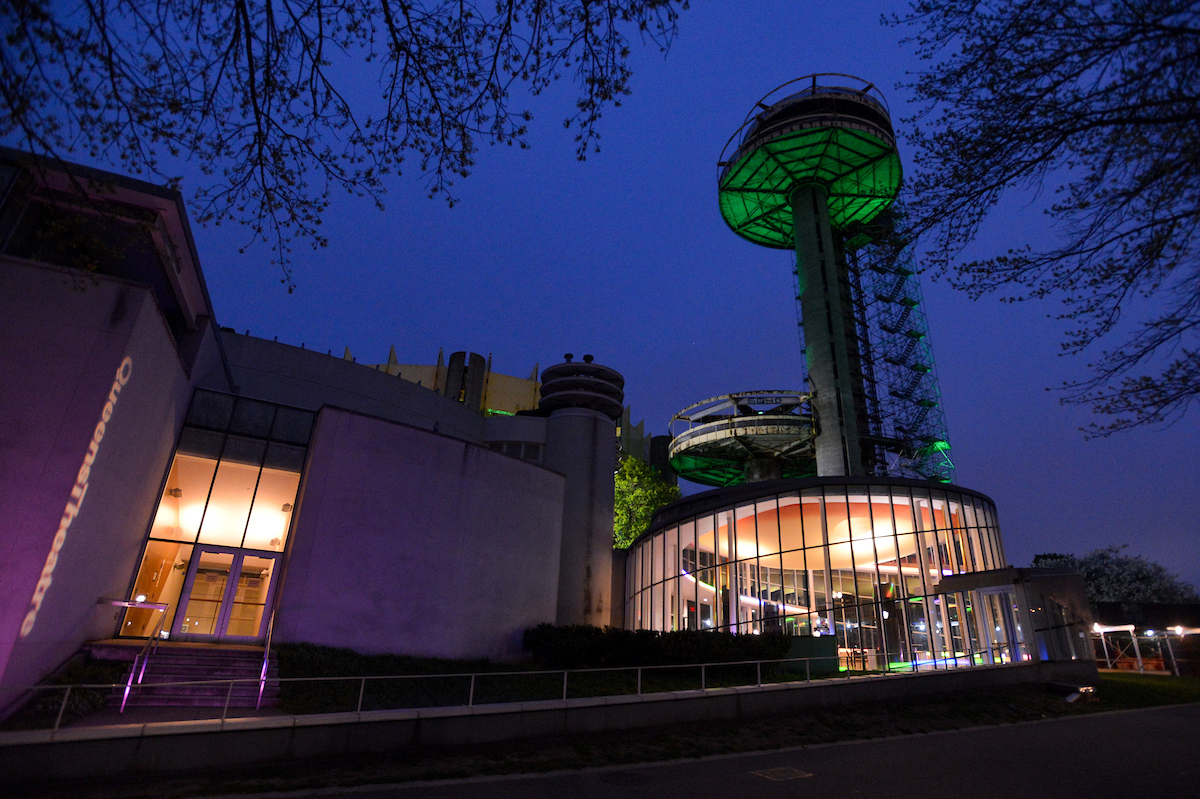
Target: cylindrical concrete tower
811, 169
584, 400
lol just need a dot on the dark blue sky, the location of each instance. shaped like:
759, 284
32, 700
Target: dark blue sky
625, 256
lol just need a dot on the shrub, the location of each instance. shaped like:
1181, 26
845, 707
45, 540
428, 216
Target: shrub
584, 647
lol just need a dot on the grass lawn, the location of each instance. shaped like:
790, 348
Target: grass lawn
1002, 706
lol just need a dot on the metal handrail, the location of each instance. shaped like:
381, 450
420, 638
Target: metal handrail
362, 679
142, 657
262, 675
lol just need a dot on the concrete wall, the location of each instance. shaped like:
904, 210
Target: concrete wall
581, 444
63, 338
415, 543
290, 375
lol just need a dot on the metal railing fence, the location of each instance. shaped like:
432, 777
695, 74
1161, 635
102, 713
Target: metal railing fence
304, 695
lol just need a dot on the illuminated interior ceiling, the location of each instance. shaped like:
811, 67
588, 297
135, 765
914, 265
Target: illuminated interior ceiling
860, 171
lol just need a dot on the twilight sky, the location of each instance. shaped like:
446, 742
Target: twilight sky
625, 256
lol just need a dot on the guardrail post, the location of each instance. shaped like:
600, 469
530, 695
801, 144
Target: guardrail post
565, 673
703, 677
362, 686
471, 695
1171, 652
62, 708
639, 680
228, 694
807, 670
758, 668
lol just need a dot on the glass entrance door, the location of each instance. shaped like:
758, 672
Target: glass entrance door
225, 595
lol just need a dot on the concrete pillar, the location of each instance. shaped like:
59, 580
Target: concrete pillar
758, 470
827, 352
581, 444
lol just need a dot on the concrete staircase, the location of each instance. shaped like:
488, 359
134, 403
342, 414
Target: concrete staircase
190, 664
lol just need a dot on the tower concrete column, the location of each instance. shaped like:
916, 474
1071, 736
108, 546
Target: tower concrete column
827, 351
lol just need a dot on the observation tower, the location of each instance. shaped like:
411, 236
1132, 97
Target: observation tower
814, 169
832, 519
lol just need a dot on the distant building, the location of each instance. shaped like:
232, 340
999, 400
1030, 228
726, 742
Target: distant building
468, 378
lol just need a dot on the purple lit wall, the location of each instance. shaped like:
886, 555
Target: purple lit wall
408, 541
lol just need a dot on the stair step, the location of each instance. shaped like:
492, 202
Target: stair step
168, 667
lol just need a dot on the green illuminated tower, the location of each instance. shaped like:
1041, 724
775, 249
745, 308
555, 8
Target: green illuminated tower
815, 172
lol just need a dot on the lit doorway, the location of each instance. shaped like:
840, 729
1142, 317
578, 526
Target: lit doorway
225, 595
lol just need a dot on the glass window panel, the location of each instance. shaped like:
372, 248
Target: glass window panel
182, 504
159, 579
656, 558
271, 516
724, 536
656, 607
292, 425
243, 450
881, 514
285, 456
228, 507
885, 557
252, 418
207, 595
840, 557
706, 550
837, 519
671, 587
203, 443
687, 585
924, 517
909, 564
745, 533
860, 513
769, 589
938, 502
903, 513
983, 560
721, 602
250, 596
793, 517
671, 553
969, 512
768, 527
955, 506
687, 548
210, 410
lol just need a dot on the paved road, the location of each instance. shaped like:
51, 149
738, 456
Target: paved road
1140, 753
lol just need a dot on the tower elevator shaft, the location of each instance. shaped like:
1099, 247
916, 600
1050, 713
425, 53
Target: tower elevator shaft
832, 354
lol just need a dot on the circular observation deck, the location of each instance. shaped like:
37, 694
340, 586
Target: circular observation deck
839, 136
583, 385
743, 437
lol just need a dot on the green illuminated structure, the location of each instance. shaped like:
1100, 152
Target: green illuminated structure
811, 170
814, 169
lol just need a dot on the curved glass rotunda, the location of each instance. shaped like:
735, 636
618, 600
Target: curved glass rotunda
867, 560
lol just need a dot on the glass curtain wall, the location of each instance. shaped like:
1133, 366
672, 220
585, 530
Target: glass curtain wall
862, 563
224, 514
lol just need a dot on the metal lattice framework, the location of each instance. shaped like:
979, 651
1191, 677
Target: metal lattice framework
905, 416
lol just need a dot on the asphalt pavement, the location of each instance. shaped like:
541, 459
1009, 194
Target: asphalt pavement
1153, 752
